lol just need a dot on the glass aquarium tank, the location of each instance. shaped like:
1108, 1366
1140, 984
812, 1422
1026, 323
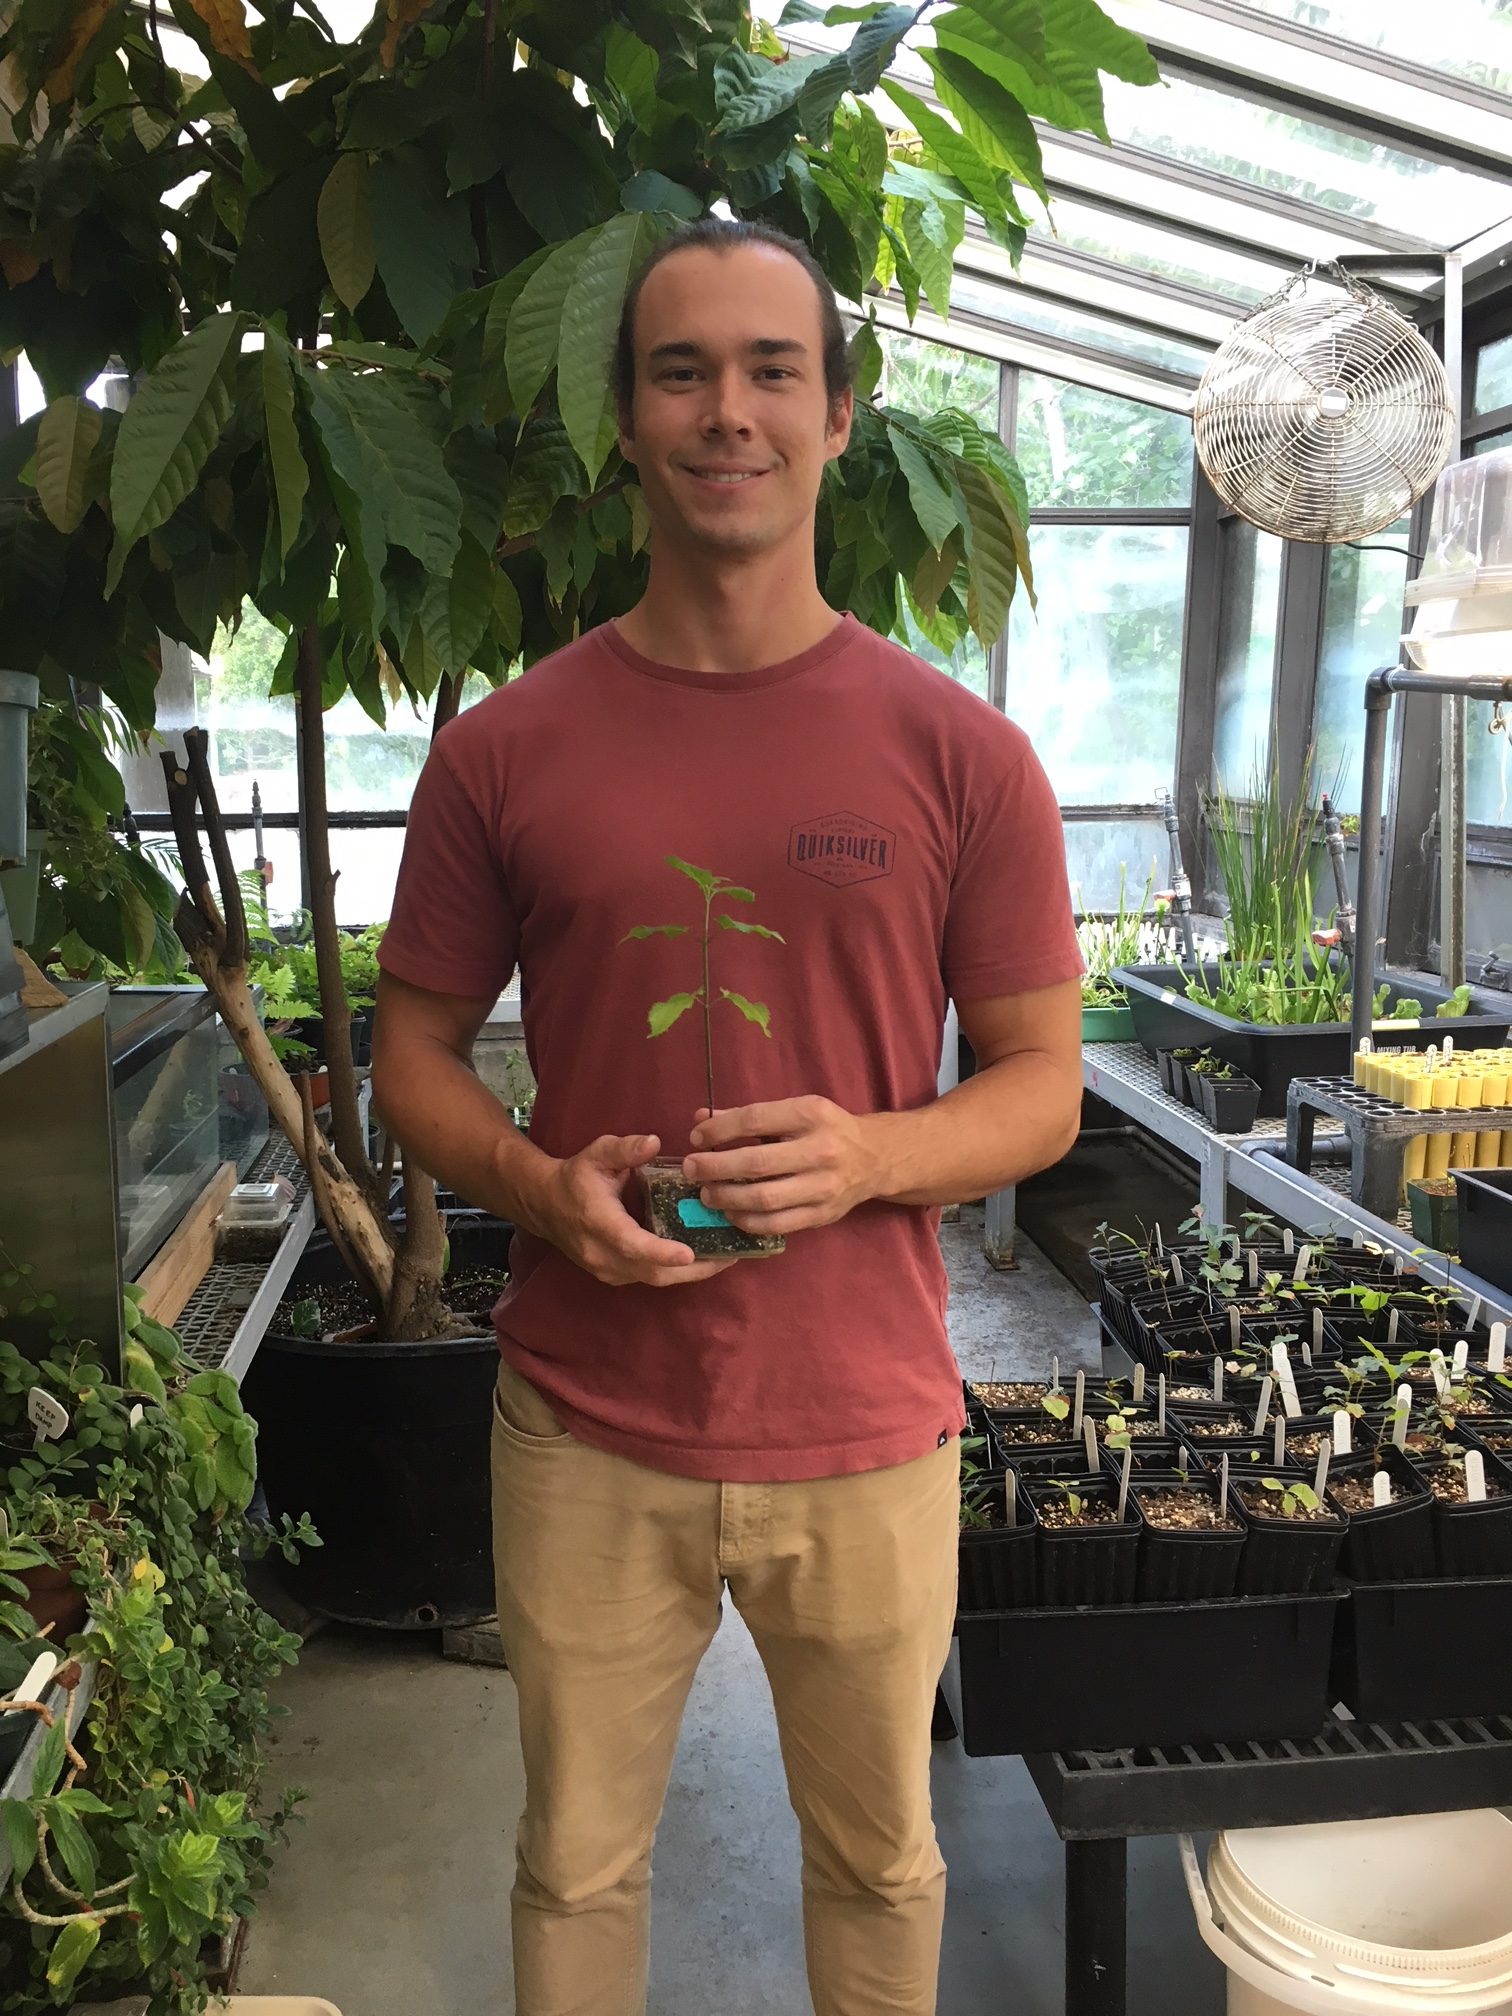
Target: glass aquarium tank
183, 1106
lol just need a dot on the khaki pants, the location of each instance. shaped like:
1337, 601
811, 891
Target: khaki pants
610, 1579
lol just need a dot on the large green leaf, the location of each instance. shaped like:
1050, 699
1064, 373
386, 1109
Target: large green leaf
72, 1947
290, 478
508, 617
871, 48
1081, 28
481, 473
934, 230
376, 441
167, 433
991, 565
535, 320
74, 1846
929, 490
992, 119
1047, 54
952, 149
544, 469
455, 608
20, 1832
66, 438
420, 240
774, 88
590, 320
346, 229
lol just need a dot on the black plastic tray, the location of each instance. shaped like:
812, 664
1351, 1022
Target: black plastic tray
1165, 1019
1425, 1651
1485, 1223
1157, 1674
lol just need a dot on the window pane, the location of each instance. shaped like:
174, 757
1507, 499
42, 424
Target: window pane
1470, 39
1076, 446
1009, 305
1493, 376
1362, 628
1303, 158
1097, 853
1488, 769
1093, 678
1489, 441
1246, 653
921, 377
1147, 249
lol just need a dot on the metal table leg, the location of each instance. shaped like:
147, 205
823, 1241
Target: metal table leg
1096, 1927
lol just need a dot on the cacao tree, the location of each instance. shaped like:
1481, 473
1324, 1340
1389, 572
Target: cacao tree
367, 290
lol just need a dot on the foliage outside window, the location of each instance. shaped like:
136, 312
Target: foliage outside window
1493, 377
1079, 448
1362, 628
1250, 594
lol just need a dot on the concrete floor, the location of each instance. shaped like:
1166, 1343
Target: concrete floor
392, 1899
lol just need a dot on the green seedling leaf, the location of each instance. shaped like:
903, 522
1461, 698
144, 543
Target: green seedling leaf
71, 1949
707, 882
753, 1011
752, 930
653, 931
664, 1013
20, 1835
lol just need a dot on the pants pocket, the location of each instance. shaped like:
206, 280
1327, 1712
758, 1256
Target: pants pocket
521, 1412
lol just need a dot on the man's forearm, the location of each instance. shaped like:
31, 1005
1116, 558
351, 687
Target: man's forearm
449, 1122
1013, 1118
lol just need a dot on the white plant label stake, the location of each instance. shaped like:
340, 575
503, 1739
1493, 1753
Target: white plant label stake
1079, 1408
1223, 1484
1320, 1475
1380, 1489
1160, 1400
1438, 1365
1089, 1443
1233, 1320
1182, 1460
1498, 1354
1393, 1320
1462, 1358
1139, 1384
1304, 1256
1403, 1416
1055, 1374
1317, 1329
1217, 1378
1288, 1242
38, 1676
47, 1416
1282, 1366
1010, 1497
1123, 1484
1278, 1447
1254, 1269
1472, 1313
1176, 1274
135, 1415
1159, 1242
1475, 1477
1307, 1354
1262, 1412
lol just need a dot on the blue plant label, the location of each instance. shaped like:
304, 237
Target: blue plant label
692, 1212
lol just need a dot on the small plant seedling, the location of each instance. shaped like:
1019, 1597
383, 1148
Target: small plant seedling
1294, 1500
1070, 1497
663, 1014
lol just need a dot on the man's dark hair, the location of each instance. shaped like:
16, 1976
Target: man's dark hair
725, 234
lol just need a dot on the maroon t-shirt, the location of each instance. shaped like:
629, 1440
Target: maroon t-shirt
901, 836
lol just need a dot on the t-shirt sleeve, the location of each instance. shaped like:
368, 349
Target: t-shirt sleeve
453, 927
1009, 928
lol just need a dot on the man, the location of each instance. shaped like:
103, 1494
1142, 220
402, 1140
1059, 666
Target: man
786, 1427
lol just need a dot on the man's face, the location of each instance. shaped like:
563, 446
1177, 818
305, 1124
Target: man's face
730, 426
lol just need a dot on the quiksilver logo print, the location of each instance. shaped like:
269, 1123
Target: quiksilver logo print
841, 848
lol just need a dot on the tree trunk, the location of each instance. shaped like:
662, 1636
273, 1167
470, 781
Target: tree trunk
335, 1012
416, 1308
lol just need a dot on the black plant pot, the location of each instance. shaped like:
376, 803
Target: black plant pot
1087, 1564
1186, 1567
386, 1446
1154, 1456
997, 1563
1389, 1543
1172, 1070
1229, 1105
1286, 1556
1473, 1539
1424, 1651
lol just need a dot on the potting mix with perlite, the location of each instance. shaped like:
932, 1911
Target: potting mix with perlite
1422, 1081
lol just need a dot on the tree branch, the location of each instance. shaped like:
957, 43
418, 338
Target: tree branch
315, 837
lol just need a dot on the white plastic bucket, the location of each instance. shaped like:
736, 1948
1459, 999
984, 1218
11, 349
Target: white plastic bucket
1360, 1918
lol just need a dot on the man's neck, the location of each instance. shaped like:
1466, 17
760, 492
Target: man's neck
702, 616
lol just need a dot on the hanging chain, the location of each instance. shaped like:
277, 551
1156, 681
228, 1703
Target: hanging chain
1356, 289
1498, 724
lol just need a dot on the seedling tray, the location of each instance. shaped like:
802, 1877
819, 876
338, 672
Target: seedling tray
1425, 1651
1158, 1674
1378, 1131
1166, 1019
997, 1563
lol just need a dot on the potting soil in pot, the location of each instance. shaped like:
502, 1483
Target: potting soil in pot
1186, 1512
1008, 1392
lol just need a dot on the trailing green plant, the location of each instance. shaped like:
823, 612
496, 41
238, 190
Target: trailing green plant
151, 1835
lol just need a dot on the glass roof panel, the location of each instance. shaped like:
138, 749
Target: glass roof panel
1302, 158
1471, 38
1070, 324
1146, 248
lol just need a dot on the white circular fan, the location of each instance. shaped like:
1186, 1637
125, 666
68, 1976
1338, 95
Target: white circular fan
1323, 419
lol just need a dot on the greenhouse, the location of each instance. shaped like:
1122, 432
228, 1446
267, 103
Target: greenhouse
755, 1007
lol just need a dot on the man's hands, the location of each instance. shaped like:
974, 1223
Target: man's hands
581, 1210
816, 1163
